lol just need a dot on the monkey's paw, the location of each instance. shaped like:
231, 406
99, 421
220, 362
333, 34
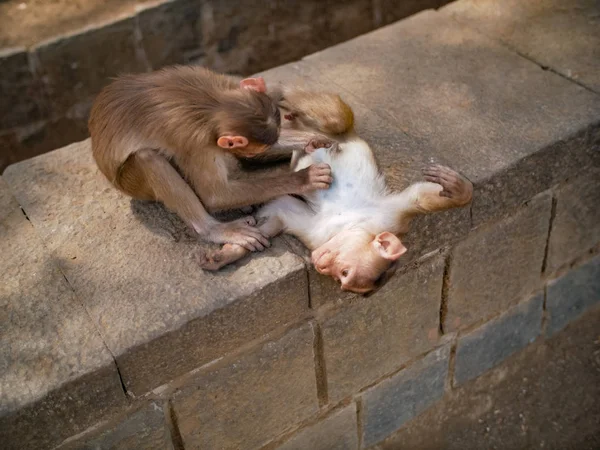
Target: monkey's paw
215, 259
317, 176
455, 186
317, 143
242, 232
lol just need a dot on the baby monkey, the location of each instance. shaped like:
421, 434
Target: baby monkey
352, 228
175, 136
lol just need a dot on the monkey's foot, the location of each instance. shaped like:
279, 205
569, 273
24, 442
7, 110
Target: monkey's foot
455, 186
242, 232
216, 259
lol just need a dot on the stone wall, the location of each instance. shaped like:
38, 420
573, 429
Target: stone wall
115, 338
47, 86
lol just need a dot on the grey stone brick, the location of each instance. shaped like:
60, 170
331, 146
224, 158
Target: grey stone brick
572, 294
490, 344
145, 429
75, 68
556, 34
373, 336
498, 265
336, 432
576, 225
255, 398
498, 118
19, 90
53, 363
393, 402
132, 264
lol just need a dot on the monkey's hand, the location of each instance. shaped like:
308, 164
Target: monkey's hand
319, 142
215, 259
455, 187
317, 176
241, 232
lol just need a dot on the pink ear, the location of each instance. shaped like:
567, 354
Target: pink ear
389, 246
232, 142
256, 84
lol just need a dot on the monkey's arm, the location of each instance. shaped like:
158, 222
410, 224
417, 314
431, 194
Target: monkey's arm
443, 189
257, 188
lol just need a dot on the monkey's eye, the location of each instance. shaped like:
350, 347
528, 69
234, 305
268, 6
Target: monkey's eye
345, 272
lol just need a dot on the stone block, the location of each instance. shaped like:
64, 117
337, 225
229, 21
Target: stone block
229, 27
54, 365
346, 20
395, 401
20, 96
576, 224
336, 432
497, 117
249, 401
559, 35
160, 314
75, 68
145, 429
374, 336
493, 342
572, 294
498, 265
388, 11
171, 32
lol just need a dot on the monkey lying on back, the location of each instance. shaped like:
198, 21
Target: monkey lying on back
352, 227
175, 135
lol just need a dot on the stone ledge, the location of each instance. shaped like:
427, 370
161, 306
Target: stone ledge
461, 99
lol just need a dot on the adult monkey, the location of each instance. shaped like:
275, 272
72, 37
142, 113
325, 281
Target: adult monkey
174, 136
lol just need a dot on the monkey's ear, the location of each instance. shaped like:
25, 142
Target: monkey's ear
389, 246
232, 142
255, 84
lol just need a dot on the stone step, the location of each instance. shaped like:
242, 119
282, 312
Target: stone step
121, 286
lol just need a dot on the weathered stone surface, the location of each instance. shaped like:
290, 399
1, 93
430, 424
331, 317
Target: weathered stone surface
229, 27
564, 36
576, 225
393, 402
171, 32
349, 19
19, 91
75, 68
498, 265
388, 11
133, 266
572, 294
545, 396
53, 363
336, 432
255, 398
496, 340
374, 336
144, 429
494, 115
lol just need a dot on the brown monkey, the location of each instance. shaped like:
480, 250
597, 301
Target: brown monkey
352, 228
174, 136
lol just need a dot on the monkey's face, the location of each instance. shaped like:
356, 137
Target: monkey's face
357, 259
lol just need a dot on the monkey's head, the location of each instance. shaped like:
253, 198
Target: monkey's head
358, 260
249, 121
321, 111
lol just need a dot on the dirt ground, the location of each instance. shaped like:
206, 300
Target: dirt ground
24, 23
546, 397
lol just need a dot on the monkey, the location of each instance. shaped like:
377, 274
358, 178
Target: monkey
353, 229
175, 136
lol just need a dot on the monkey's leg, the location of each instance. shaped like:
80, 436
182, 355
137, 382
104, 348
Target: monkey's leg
444, 189
284, 213
147, 175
